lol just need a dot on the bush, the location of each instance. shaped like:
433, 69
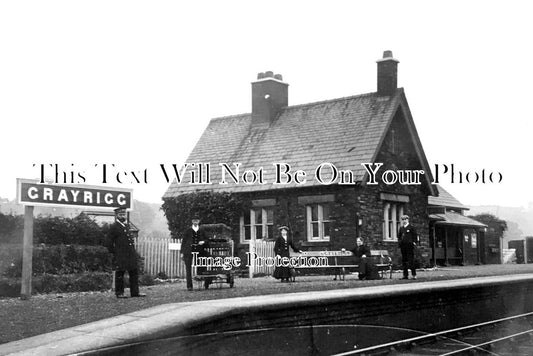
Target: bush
212, 207
67, 283
81, 230
11, 228
49, 283
146, 280
10, 259
64, 259
162, 275
9, 287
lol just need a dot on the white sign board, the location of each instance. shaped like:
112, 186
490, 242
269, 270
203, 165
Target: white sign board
174, 246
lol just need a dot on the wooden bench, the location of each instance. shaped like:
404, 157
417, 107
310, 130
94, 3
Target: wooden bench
337, 262
382, 261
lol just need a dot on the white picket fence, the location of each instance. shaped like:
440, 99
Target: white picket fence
159, 258
262, 249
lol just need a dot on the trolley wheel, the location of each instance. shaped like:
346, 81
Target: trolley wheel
206, 283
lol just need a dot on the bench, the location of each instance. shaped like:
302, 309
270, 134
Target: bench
336, 260
382, 261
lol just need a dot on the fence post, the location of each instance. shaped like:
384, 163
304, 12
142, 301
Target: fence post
251, 250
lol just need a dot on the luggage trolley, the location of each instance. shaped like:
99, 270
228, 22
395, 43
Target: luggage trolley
217, 247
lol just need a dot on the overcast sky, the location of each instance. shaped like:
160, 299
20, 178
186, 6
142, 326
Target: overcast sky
135, 83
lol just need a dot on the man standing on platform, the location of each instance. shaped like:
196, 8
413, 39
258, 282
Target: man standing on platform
194, 240
121, 244
408, 240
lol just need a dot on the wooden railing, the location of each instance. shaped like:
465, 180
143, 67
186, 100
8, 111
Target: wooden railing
159, 258
261, 249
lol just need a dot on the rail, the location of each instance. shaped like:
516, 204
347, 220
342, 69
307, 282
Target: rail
490, 331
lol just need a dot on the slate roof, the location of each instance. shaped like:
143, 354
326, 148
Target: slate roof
445, 199
453, 218
345, 132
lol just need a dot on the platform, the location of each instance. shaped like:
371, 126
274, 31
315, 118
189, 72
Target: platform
443, 304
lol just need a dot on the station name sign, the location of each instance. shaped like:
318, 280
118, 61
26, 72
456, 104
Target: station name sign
30, 192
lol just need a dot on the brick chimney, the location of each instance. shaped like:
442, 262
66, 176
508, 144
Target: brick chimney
387, 74
269, 95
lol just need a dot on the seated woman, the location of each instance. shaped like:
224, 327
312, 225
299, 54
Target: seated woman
367, 269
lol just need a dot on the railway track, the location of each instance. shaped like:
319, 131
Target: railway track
512, 336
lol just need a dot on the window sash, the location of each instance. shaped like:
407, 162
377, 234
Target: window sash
257, 224
317, 223
392, 212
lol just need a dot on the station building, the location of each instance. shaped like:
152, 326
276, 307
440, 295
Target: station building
455, 238
343, 133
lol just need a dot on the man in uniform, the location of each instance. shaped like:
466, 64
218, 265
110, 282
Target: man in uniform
408, 240
121, 244
194, 240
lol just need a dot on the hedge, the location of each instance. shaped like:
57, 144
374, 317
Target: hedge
80, 230
11, 228
62, 259
66, 283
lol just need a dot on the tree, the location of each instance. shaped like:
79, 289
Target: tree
494, 224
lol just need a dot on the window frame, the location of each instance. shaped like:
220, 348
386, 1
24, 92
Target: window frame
321, 221
253, 225
391, 224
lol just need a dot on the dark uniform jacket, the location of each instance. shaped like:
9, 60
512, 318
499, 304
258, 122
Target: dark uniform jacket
281, 247
191, 241
121, 243
407, 237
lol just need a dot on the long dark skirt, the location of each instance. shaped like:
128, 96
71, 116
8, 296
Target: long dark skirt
367, 269
282, 272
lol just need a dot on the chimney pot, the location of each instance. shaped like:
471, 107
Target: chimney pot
260, 75
387, 54
278, 77
269, 74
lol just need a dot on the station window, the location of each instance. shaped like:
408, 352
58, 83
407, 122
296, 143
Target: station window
392, 211
318, 222
256, 224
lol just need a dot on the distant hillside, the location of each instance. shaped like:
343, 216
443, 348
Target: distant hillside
148, 217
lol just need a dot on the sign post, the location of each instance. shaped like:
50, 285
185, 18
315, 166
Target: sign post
31, 193
27, 253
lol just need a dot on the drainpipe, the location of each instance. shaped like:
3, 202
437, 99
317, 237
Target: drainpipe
462, 237
478, 235
434, 246
446, 247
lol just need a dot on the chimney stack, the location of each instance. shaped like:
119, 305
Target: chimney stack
269, 95
387, 74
